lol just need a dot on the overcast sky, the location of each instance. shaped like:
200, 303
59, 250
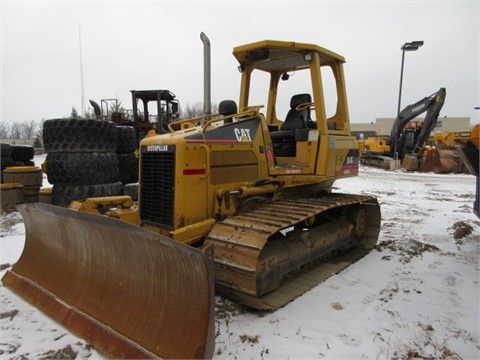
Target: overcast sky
141, 45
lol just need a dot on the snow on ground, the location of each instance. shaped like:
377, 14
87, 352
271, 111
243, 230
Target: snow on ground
415, 296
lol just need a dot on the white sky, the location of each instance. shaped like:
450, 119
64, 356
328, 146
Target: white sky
141, 45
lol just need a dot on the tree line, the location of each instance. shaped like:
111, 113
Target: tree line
26, 130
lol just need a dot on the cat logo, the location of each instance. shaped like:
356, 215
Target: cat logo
243, 135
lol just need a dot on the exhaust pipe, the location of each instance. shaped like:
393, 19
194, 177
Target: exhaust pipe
207, 104
96, 109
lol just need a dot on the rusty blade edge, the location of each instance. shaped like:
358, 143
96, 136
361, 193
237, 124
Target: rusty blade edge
104, 339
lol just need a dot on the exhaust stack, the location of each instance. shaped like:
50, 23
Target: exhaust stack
207, 104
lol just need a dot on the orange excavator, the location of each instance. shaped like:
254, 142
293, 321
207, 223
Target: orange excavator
243, 199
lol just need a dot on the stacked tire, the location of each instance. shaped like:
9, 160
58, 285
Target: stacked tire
82, 159
20, 179
16, 155
6, 153
128, 160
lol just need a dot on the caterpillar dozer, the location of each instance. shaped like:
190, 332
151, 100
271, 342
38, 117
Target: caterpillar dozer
247, 194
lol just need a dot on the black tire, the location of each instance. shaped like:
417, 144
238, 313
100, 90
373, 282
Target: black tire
6, 150
6, 162
131, 190
126, 139
128, 168
74, 135
82, 168
29, 163
22, 152
63, 195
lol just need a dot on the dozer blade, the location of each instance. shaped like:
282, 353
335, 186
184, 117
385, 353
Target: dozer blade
129, 292
261, 264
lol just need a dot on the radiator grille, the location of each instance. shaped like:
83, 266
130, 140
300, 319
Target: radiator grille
157, 190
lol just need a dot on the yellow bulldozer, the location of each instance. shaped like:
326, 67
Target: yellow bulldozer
242, 199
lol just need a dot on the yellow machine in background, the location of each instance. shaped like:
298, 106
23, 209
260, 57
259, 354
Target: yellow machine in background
250, 189
453, 152
453, 139
373, 145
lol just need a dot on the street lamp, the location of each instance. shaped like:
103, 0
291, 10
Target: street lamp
409, 46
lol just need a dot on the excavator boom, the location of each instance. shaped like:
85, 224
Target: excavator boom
407, 145
432, 105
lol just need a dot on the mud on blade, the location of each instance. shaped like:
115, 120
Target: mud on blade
129, 292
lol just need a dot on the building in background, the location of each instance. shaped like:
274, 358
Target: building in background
383, 126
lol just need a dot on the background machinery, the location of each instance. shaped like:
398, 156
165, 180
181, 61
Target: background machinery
165, 110
409, 136
468, 148
455, 151
249, 190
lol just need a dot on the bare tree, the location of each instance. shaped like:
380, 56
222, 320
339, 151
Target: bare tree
4, 129
39, 134
28, 129
16, 131
192, 111
40, 128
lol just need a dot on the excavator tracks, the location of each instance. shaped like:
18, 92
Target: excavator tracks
260, 254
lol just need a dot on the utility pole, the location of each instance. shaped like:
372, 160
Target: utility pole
83, 110
409, 46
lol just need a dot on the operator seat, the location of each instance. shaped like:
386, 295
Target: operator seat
297, 119
226, 108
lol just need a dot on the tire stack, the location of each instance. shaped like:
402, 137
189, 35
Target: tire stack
82, 159
16, 155
20, 179
7, 160
128, 161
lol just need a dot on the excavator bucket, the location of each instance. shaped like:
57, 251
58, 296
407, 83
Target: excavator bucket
129, 292
442, 161
410, 163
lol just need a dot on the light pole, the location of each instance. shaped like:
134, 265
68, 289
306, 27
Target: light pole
409, 46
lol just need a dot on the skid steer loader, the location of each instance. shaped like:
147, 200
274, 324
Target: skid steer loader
249, 190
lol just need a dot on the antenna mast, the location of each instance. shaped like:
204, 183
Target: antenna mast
81, 69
